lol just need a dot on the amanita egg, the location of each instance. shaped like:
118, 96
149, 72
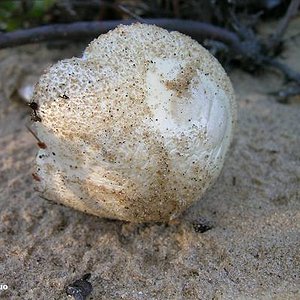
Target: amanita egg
137, 128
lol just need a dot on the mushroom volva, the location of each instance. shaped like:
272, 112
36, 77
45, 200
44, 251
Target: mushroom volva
137, 128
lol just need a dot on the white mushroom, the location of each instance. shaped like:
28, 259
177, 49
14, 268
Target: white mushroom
137, 129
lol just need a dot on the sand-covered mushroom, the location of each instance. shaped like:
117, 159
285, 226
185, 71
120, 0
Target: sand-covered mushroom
137, 129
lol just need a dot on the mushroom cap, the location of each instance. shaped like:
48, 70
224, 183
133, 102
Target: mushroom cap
137, 129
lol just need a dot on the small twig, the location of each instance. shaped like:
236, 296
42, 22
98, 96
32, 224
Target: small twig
289, 92
77, 30
283, 24
41, 144
130, 13
176, 8
287, 71
251, 48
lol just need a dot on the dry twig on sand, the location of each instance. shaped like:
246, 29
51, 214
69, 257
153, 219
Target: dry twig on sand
277, 36
78, 30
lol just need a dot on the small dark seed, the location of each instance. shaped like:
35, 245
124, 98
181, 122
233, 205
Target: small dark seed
80, 288
202, 225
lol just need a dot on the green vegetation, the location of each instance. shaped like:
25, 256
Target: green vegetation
24, 13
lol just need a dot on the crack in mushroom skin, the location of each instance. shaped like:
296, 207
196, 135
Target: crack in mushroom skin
139, 125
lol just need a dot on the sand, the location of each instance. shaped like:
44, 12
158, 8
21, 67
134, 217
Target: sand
252, 247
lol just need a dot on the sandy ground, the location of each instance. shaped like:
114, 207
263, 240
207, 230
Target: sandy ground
252, 250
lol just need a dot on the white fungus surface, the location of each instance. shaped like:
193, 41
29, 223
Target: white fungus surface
137, 129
